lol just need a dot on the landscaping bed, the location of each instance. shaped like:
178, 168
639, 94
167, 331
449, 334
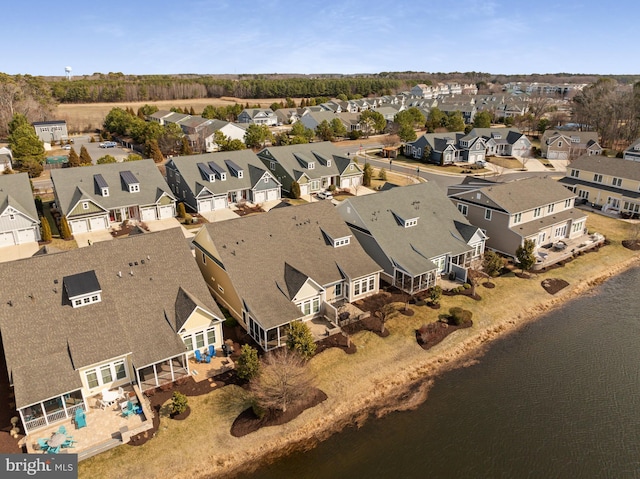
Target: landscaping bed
433, 333
339, 341
553, 285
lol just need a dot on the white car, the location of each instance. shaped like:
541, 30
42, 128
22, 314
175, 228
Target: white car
325, 195
66, 147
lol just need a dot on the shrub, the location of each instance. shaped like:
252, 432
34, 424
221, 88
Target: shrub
435, 294
179, 403
301, 340
230, 322
181, 210
382, 175
188, 219
248, 364
45, 229
466, 286
332, 188
458, 316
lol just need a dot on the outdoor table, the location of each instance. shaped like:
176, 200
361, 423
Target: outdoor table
109, 396
57, 439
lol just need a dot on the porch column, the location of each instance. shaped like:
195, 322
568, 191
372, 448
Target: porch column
155, 374
173, 378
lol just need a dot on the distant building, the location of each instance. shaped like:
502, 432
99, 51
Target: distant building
49, 131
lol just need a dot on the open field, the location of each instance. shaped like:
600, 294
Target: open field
86, 117
385, 374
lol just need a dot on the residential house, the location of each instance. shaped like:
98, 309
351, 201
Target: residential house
231, 131
214, 181
633, 151
117, 313
537, 208
48, 131
165, 117
504, 141
6, 159
565, 145
467, 110
314, 166
94, 197
292, 264
19, 223
610, 183
422, 90
447, 148
415, 234
258, 116
288, 116
312, 119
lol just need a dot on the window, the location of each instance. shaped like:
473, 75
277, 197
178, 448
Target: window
92, 379
550, 208
266, 179
517, 218
537, 212
105, 191
463, 209
12, 217
617, 182
576, 227
85, 205
77, 302
120, 369
559, 144
105, 374
575, 173
364, 285
328, 162
487, 214
188, 342
597, 178
352, 167
309, 306
338, 290
341, 242
199, 340
134, 188
311, 165
272, 165
560, 231
411, 222
211, 336
240, 174
583, 194
567, 203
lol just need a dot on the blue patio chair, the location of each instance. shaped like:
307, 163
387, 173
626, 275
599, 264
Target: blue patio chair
53, 450
212, 351
128, 410
198, 356
42, 443
62, 430
69, 443
207, 359
80, 419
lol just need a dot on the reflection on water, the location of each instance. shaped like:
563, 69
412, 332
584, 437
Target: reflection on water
557, 399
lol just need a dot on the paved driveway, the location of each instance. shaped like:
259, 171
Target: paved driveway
20, 251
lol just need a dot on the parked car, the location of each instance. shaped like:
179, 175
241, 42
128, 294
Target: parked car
325, 195
66, 147
108, 144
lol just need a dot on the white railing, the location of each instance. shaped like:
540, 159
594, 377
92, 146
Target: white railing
35, 424
56, 416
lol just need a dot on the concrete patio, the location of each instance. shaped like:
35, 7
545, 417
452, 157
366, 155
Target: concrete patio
568, 248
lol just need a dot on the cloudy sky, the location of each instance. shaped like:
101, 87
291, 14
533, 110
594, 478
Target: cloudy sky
347, 36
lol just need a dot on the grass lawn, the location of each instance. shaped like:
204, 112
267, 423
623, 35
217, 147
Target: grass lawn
46, 207
506, 162
294, 202
380, 372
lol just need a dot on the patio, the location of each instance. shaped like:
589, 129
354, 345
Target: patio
321, 328
553, 253
105, 429
206, 371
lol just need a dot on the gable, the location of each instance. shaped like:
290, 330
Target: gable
198, 319
92, 207
308, 289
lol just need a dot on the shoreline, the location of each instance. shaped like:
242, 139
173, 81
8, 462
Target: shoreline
417, 379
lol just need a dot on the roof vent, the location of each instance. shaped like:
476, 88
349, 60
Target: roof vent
131, 272
119, 274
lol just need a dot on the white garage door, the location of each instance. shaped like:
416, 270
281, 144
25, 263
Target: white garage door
26, 236
304, 189
148, 214
259, 197
272, 195
166, 212
6, 239
97, 224
204, 206
78, 226
219, 203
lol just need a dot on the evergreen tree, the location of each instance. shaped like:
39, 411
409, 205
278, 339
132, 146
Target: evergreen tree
192, 112
154, 152
300, 339
248, 364
74, 159
367, 174
295, 190
525, 255
85, 157
65, 230
181, 210
45, 229
185, 148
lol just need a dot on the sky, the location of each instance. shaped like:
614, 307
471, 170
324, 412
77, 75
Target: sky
138, 37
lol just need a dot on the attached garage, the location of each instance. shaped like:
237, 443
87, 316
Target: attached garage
272, 195
259, 197
148, 214
166, 212
26, 236
78, 226
97, 224
6, 239
219, 203
304, 190
204, 206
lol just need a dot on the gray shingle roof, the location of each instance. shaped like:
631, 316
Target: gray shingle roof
519, 195
268, 255
246, 160
15, 191
440, 229
74, 184
618, 167
46, 340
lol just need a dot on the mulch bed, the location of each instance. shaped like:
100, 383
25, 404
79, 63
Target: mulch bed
182, 416
489, 285
465, 292
633, 245
437, 331
339, 341
553, 285
247, 210
372, 323
247, 422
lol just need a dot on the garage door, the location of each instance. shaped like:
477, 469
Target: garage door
219, 203
97, 224
78, 226
166, 212
304, 189
26, 236
6, 239
204, 206
272, 195
148, 214
259, 197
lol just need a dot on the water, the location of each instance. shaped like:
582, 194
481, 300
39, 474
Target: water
558, 399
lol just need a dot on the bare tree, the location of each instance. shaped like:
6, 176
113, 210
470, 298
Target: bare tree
284, 380
382, 308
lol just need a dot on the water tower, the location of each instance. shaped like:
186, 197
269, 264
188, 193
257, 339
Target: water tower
67, 72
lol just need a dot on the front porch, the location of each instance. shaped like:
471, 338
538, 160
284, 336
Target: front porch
552, 253
106, 428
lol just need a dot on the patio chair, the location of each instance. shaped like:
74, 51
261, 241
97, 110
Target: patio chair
198, 356
121, 394
62, 430
128, 410
42, 443
53, 450
80, 419
207, 359
212, 351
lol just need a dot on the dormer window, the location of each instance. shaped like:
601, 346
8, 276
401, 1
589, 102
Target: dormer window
341, 241
240, 174
223, 176
104, 191
82, 289
101, 184
134, 188
311, 165
410, 222
130, 181
328, 162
